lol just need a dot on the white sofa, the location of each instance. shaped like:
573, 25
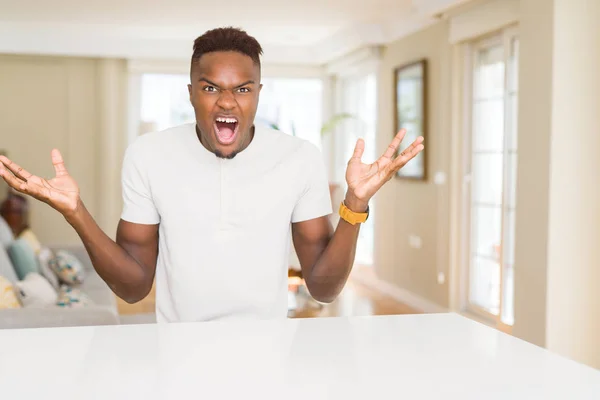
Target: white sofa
103, 311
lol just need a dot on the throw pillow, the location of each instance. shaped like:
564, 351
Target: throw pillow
68, 268
30, 238
23, 258
6, 266
6, 234
71, 297
8, 298
36, 291
44, 258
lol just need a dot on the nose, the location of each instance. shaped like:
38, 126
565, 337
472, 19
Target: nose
226, 100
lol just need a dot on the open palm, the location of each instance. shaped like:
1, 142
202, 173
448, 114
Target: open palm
60, 192
364, 180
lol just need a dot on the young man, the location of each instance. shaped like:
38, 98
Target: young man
208, 206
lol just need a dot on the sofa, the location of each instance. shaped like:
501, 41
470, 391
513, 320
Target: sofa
100, 310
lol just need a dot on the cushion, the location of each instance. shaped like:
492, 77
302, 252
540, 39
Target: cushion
8, 298
44, 257
68, 268
6, 266
23, 258
36, 291
98, 291
6, 234
70, 297
30, 238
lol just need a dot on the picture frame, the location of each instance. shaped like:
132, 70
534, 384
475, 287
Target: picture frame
410, 113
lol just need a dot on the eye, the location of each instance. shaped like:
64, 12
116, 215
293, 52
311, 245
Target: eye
209, 89
244, 90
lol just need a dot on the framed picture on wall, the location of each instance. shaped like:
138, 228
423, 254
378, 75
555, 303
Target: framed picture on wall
410, 113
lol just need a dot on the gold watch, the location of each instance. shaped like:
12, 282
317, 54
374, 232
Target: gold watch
352, 217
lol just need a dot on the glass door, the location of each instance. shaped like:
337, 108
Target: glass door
491, 177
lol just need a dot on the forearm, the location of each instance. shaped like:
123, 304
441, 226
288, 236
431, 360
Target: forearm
330, 273
123, 274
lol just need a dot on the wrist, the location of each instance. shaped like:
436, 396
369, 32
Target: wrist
355, 204
75, 216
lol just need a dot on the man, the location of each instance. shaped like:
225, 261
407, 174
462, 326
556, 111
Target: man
208, 206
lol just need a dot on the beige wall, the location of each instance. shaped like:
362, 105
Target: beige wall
416, 208
48, 102
573, 298
535, 110
557, 303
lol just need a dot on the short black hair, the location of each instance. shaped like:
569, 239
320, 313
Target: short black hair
227, 39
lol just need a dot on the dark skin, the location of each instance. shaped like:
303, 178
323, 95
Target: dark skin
223, 84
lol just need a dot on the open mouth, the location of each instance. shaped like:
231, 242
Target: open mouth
226, 129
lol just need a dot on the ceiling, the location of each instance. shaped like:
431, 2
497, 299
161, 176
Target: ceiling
291, 32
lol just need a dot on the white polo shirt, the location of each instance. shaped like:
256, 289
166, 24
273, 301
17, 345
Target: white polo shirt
224, 234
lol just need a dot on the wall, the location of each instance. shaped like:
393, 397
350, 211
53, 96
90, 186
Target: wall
535, 111
67, 103
557, 304
407, 208
573, 299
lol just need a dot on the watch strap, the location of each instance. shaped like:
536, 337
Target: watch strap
352, 217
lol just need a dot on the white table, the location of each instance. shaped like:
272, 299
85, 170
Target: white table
442, 356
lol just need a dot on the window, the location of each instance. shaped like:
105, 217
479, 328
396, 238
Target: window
491, 176
357, 96
165, 101
293, 105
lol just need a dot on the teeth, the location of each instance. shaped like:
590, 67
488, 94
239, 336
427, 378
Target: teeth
227, 120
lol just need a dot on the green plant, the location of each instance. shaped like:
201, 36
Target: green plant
331, 124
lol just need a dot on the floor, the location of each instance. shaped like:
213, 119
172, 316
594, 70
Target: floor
356, 299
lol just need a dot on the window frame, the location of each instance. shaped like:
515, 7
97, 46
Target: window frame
468, 53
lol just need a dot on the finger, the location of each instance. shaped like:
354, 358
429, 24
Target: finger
12, 181
359, 149
59, 163
411, 152
393, 147
23, 187
15, 169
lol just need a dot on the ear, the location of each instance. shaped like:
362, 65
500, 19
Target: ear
190, 92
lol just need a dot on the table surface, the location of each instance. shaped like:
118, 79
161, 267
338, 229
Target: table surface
432, 356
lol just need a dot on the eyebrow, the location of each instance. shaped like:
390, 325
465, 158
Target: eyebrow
202, 79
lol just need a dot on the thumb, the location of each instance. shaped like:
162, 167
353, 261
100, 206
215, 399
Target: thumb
359, 149
59, 164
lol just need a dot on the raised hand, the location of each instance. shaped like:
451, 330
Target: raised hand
60, 192
364, 180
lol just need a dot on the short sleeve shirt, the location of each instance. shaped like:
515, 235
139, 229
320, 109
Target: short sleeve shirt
224, 224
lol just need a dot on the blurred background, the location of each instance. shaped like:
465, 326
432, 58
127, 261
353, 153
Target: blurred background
497, 220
